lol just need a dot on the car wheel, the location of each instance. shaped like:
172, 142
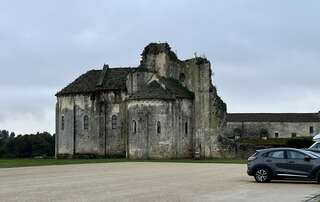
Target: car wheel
262, 175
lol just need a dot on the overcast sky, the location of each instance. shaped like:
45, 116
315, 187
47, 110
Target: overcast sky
265, 54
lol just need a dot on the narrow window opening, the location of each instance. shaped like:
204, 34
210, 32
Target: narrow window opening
117, 96
85, 122
186, 128
311, 130
158, 127
293, 134
114, 122
62, 122
182, 77
134, 127
276, 135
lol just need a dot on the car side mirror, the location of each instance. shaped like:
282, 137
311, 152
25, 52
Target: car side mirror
307, 158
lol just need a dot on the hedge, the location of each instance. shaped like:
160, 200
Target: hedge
298, 142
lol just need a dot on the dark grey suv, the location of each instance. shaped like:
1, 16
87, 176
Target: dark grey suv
284, 163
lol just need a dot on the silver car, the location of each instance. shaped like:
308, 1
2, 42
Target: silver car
315, 147
284, 163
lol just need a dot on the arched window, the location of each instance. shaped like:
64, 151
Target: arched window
117, 96
114, 121
62, 122
158, 127
134, 127
182, 77
85, 122
186, 128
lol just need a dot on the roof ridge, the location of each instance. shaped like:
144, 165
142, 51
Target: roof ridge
178, 85
153, 90
114, 79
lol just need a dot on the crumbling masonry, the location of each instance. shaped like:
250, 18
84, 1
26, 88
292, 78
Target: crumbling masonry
165, 108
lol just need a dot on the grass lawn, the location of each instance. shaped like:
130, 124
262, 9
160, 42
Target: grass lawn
10, 163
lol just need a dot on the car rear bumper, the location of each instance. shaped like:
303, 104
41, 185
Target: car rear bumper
249, 168
249, 172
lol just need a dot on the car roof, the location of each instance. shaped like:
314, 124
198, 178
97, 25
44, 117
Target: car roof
279, 148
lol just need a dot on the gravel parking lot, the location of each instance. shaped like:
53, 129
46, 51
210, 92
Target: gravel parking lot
145, 181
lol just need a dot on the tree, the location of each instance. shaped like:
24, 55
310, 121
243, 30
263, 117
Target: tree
4, 134
12, 135
26, 146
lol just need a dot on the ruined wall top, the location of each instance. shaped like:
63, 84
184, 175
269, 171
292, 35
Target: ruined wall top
157, 48
159, 57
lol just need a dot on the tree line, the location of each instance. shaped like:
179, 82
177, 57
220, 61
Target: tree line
26, 146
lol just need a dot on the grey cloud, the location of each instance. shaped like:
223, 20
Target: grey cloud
265, 53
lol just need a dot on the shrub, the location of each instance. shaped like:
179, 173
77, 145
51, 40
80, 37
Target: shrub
265, 142
300, 142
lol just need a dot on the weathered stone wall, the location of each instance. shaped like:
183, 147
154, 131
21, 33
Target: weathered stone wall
159, 58
172, 141
100, 138
86, 139
65, 113
112, 136
73, 138
195, 74
284, 129
184, 122
210, 110
57, 122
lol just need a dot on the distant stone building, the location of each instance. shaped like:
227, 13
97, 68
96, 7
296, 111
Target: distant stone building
164, 108
272, 125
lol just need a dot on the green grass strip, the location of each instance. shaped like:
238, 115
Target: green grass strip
10, 163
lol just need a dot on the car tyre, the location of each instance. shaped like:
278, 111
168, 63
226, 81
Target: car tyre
262, 175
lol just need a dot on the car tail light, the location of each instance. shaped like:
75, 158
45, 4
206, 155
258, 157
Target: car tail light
252, 158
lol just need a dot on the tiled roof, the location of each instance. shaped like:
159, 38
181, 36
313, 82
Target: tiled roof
273, 117
175, 87
152, 91
114, 79
168, 89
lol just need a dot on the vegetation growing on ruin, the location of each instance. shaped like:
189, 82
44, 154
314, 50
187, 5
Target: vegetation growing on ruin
156, 48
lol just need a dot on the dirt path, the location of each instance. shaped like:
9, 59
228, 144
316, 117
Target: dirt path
145, 181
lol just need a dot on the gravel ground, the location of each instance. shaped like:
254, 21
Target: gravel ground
145, 181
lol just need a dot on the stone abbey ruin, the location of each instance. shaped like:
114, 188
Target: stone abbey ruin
165, 108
